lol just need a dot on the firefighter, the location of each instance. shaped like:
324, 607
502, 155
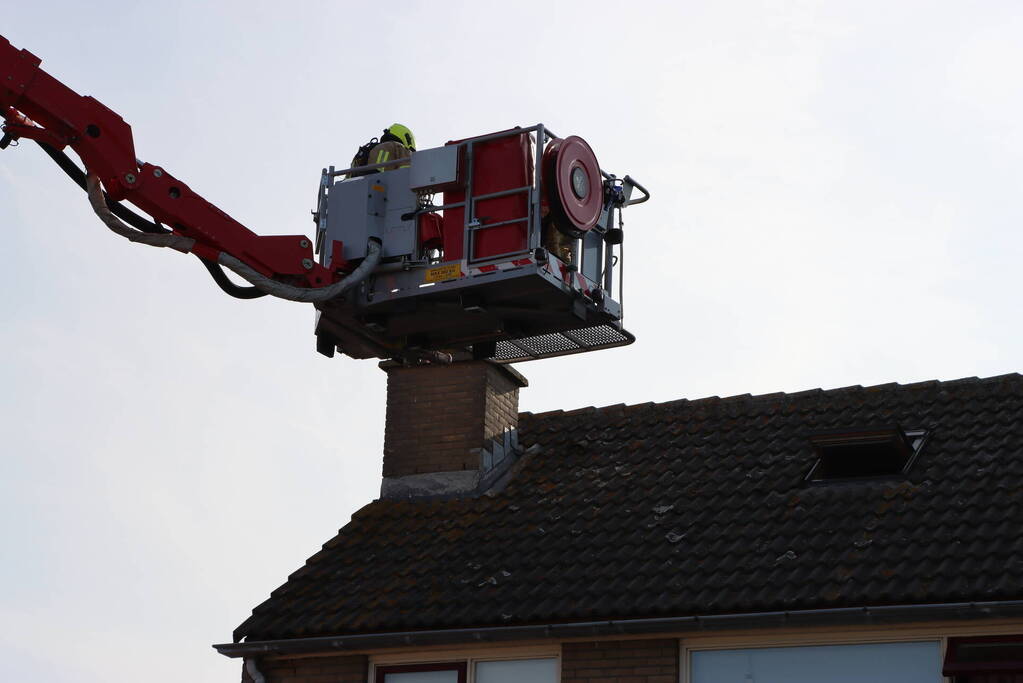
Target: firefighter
396, 143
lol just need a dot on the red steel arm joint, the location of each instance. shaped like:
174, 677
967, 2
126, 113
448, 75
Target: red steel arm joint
37, 106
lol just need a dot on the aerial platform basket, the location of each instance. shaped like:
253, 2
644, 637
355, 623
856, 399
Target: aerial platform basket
520, 260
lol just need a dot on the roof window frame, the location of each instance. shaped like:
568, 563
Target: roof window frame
828, 445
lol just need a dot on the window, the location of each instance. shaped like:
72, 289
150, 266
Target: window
990, 659
875, 662
422, 673
536, 670
517, 671
880, 452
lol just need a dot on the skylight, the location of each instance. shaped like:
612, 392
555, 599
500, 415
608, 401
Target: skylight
867, 453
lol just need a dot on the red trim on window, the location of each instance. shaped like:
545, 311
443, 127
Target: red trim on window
458, 667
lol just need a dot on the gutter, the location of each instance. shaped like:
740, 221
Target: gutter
884, 614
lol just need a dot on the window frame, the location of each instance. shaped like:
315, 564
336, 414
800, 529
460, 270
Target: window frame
445, 660
907, 444
460, 668
954, 669
795, 640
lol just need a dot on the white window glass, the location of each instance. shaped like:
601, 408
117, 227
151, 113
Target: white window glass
422, 677
518, 671
876, 662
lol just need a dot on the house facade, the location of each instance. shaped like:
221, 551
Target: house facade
849, 534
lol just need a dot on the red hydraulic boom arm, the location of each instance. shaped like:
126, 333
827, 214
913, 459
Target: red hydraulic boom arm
36, 106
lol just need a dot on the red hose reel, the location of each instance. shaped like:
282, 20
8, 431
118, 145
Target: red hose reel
574, 187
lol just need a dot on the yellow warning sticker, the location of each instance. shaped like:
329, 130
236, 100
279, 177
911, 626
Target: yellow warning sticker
448, 271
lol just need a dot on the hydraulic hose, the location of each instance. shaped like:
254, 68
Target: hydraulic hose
260, 281
78, 176
306, 294
145, 225
162, 239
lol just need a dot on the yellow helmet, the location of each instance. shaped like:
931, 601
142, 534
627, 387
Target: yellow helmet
403, 135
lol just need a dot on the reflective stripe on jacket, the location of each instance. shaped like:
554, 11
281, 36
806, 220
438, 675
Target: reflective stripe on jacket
386, 151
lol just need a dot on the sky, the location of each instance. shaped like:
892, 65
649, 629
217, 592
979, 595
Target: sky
835, 202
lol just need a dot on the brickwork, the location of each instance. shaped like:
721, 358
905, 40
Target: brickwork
438, 417
341, 669
620, 661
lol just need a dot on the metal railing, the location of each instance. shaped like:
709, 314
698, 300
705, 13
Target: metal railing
606, 261
532, 219
471, 223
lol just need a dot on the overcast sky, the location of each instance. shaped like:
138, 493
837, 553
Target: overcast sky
835, 201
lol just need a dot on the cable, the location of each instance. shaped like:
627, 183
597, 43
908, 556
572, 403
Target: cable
621, 267
220, 277
140, 223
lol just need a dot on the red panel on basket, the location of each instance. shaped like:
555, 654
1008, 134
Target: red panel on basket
502, 164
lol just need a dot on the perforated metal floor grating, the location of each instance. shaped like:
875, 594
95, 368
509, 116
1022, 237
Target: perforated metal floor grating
561, 343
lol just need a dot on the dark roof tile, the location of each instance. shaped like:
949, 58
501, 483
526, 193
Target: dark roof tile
688, 507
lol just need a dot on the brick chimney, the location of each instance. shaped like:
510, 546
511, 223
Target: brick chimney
440, 418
